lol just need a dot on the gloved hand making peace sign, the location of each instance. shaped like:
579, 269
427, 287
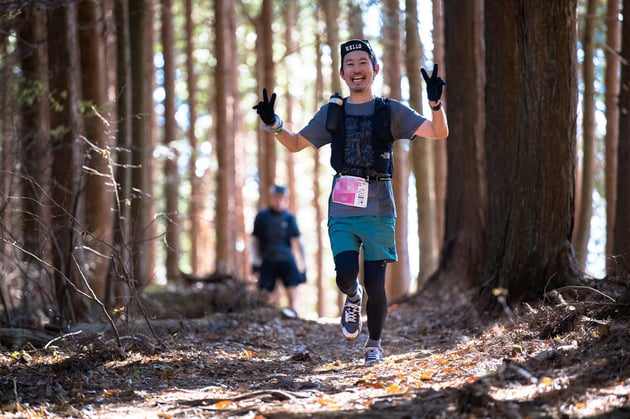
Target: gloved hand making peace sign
264, 109
434, 84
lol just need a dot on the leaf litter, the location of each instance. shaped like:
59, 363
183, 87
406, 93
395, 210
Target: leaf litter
560, 358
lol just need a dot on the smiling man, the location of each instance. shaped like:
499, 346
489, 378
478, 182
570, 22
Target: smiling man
361, 129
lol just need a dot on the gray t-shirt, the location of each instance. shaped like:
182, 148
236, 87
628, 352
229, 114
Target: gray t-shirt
404, 122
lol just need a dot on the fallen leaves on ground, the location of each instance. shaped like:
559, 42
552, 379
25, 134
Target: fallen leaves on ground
441, 361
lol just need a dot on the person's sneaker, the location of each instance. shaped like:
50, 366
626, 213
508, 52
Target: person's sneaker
351, 317
373, 356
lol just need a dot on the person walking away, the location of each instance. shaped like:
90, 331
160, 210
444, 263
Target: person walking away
361, 129
276, 241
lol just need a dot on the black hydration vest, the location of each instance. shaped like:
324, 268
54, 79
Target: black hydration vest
382, 165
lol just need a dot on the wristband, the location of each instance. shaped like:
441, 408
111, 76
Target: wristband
276, 127
437, 107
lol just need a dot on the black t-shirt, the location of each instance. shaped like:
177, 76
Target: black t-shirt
274, 231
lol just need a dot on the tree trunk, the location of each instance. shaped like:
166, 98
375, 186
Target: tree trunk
265, 69
462, 255
7, 162
239, 142
613, 40
585, 210
331, 14
317, 190
330, 10
289, 14
34, 130
440, 148
225, 148
122, 268
139, 35
63, 63
398, 273
621, 234
421, 151
530, 58
99, 195
355, 19
150, 164
171, 174
195, 212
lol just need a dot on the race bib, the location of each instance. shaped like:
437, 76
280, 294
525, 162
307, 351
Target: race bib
351, 190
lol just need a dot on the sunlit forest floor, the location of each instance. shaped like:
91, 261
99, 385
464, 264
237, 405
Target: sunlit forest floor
561, 358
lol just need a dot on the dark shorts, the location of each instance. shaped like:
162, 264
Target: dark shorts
287, 272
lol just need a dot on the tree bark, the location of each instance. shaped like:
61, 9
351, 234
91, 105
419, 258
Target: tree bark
122, 268
239, 142
330, 10
331, 14
171, 174
34, 130
6, 143
465, 241
225, 148
399, 273
355, 20
196, 200
265, 69
421, 153
440, 148
585, 210
317, 190
621, 233
99, 199
530, 152
613, 39
63, 63
141, 205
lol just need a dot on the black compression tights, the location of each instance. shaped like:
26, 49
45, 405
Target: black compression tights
347, 267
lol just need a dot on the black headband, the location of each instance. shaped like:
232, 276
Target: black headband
357, 45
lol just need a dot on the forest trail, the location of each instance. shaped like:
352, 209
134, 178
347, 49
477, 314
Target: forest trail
441, 361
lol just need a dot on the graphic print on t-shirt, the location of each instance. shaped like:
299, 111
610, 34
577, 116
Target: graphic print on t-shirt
358, 153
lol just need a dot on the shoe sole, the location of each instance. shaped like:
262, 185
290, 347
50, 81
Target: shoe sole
349, 336
352, 336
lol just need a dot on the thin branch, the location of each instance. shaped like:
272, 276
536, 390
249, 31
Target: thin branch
62, 337
582, 287
98, 301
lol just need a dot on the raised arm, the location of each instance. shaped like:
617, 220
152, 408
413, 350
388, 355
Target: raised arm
437, 127
271, 122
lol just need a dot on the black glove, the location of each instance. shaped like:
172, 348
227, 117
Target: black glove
265, 108
434, 84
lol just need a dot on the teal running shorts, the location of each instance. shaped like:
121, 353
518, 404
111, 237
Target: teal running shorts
376, 234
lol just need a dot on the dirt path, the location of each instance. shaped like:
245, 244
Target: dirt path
441, 361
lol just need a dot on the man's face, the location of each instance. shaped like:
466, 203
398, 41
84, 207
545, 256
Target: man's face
357, 71
278, 201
